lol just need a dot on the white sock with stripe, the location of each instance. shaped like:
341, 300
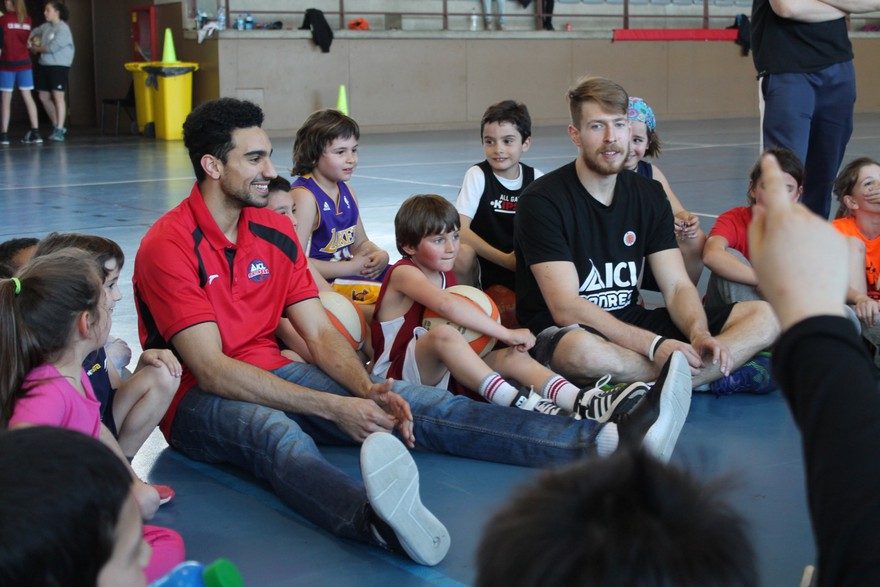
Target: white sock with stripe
561, 392
498, 391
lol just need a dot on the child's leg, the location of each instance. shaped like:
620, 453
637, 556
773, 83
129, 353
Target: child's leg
166, 551
140, 403
31, 108
721, 291
444, 349
5, 110
523, 368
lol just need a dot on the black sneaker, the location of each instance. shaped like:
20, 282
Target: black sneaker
32, 137
605, 403
656, 421
4, 138
391, 480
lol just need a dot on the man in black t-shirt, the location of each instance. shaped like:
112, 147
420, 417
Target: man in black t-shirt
582, 235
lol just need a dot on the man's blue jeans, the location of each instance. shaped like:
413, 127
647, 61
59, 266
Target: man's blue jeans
281, 448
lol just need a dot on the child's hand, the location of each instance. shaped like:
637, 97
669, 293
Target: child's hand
686, 225
160, 357
375, 263
867, 310
521, 339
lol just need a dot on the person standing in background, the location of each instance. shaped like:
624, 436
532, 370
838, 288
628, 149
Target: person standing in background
16, 68
53, 42
804, 61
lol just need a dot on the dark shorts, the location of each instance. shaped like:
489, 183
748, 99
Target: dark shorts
52, 78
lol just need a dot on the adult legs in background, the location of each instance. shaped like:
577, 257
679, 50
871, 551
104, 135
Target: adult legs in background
811, 114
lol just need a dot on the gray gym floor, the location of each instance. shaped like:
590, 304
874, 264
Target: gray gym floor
118, 186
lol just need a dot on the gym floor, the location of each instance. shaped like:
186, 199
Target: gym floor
118, 186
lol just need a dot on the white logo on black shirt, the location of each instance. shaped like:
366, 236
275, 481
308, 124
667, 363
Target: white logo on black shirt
614, 289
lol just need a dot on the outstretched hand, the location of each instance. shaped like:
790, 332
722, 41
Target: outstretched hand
789, 246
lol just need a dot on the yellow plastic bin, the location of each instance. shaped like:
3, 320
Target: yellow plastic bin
172, 101
143, 99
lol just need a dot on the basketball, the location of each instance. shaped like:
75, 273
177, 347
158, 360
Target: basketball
505, 299
481, 343
346, 317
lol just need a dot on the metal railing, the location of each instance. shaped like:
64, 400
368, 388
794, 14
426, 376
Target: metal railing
625, 15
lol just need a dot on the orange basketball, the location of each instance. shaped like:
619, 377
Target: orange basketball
346, 317
505, 299
481, 343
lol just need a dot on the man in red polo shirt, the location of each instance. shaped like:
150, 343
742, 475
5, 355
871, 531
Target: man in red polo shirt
212, 278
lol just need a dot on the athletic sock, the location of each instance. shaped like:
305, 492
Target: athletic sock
498, 391
561, 392
607, 440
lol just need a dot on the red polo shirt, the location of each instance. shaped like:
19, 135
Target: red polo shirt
187, 272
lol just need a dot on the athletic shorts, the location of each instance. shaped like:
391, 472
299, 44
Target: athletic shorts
23, 78
52, 78
409, 370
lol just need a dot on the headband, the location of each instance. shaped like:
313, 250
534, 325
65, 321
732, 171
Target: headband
639, 110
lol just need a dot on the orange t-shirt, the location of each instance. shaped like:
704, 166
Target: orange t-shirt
848, 227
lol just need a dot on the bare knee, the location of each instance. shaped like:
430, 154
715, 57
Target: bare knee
759, 316
583, 357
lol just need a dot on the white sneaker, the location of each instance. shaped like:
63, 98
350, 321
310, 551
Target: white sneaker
392, 483
657, 420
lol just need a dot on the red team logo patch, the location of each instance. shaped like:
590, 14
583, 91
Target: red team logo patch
629, 239
258, 271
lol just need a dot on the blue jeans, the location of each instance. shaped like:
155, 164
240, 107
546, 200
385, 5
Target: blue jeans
281, 447
812, 115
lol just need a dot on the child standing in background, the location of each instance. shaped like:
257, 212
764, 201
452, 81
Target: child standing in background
329, 226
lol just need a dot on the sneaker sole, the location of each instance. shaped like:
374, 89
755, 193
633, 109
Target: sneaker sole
391, 480
674, 404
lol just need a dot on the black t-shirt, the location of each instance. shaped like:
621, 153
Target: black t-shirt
782, 45
493, 221
558, 220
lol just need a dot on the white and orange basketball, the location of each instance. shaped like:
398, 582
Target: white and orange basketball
346, 317
481, 343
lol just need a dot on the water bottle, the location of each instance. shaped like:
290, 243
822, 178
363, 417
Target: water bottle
220, 573
221, 19
475, 20
239, 23
249, 22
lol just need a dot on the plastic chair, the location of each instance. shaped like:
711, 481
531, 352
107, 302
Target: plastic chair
126, 104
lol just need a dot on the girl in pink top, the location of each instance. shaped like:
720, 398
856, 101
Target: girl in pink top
53, 315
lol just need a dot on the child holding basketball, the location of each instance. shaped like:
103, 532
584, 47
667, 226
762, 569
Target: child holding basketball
329, 224
427, 232
491, 189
